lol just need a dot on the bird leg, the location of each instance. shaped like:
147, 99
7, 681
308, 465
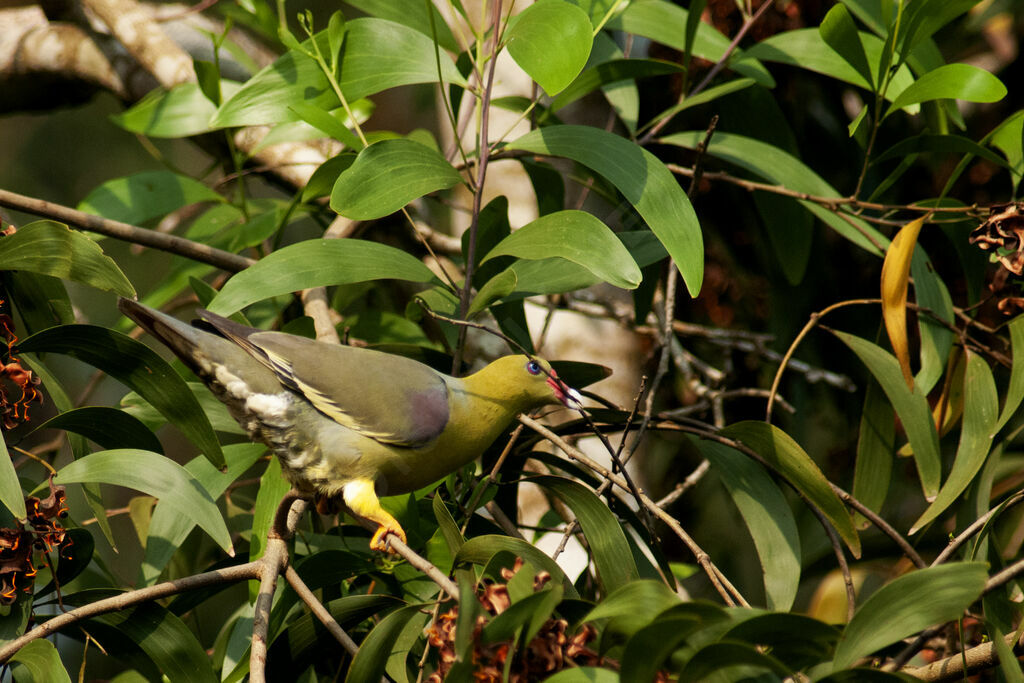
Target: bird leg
360, 497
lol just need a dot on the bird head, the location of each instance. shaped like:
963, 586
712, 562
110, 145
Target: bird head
534, 380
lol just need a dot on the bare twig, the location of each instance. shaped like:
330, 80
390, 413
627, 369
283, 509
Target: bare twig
976, 526
952, 668
319, 611
129, 233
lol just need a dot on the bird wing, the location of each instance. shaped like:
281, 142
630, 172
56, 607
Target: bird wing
389, 398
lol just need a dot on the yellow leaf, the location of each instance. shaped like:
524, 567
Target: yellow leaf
895, 275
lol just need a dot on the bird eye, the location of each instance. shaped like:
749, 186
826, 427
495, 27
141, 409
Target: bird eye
533, 367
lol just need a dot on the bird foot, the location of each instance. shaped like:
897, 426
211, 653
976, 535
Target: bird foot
380, 537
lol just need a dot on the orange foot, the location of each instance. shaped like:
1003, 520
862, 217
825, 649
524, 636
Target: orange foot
380, 537
360, 497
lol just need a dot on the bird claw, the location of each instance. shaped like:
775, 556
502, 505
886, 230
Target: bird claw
380, 538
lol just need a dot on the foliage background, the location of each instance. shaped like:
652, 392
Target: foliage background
61, 144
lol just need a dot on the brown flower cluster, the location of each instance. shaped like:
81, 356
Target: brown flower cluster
1003, 233
551, 650
15, 412
44, 533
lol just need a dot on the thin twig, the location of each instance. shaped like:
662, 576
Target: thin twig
976, 526
196, 251
319, 611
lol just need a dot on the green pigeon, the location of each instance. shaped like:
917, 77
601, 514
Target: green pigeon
350, 422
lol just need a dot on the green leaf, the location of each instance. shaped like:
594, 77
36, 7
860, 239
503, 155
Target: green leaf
145, 196
109, 427
369, 662
944, 144
540, 26
575, 236
53, 249
413, 14
642, 179
781, 168
180, 112
795, 640
952, 81
168, 530
723, 655
377, 55
911, 406
480, 550
11, 494
785, 455
981, 407
806, 48
317, 263
389, 174
38, 662
912, 602
936, 339
584, 674
1015, 391
612, 72
74, 563
138, 366
166, 640
768, 518
875, 446
499, 286
638, 602
924, 18
605, 538
666, 23
530, 612
840, 33
156, 476
323, 121
649, 648
217, 412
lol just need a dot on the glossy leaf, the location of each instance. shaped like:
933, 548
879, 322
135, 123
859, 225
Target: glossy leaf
791, 461
157, 476
498, 287
38, 662
179, 112
605, 538
936, 339
145, 196
389, 174
168, 530
648, 649
768, 518
109, 427
806, 49
11, 494
1015, 391
528, 613
537, 28
981, 408
138, 366
796, 640
895, 277
715, 657
369, 662
166, 640
943, 144
317, 263
643, 180
377, 55
952, 81
584, 674
911, 406
875, 446
220, 419
611, 72
666, 23
840, 33
778, 166
480, 550
413, 14
575, 236
638, 601
53, 249
912, 602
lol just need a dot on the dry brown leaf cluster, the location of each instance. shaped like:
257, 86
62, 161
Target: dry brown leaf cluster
551, 650
43, 535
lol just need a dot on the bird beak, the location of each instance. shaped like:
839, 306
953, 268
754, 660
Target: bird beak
569, 397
